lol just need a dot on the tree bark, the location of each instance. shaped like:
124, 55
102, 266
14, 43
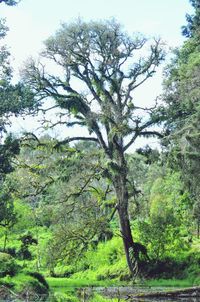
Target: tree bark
198, 228
120, 185
126, 236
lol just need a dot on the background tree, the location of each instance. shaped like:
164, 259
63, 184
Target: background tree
100, 68
8, 216
183, 111
193, 20
9, 2
15, 99
65, 192
167, 228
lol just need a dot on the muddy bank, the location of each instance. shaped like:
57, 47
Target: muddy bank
185, 294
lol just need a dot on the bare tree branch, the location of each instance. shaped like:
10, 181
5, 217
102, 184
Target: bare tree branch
77, 138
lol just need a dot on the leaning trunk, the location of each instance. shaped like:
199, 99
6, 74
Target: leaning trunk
127, 236
120, 184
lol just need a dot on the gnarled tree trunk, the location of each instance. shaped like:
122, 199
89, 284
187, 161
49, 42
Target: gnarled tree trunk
120, 185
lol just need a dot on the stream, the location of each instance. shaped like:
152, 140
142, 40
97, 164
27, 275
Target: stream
121, 294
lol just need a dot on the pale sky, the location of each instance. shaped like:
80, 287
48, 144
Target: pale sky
33, 21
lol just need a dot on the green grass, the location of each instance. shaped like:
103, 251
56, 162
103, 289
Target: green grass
77, 283
170, 283
18, 281
98, 298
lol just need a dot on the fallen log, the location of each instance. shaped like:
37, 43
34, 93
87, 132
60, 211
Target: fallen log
178, 293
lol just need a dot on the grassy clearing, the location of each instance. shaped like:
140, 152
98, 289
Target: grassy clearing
171, 282
76, 283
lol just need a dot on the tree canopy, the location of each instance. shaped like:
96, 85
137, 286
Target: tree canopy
81, 205
9, 2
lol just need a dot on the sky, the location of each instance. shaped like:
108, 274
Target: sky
32, 21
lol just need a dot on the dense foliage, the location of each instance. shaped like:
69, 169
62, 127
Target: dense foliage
71, 210
94, 89
183, 111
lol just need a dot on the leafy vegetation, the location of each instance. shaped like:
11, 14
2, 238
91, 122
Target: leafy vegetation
91, 214
100, 57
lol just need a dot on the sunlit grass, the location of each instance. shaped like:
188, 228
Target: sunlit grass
76, 283
169, 282
98, 298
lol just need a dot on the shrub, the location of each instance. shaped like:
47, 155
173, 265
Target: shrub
98, 298
24, 253
64, 271
40, 278
64, 297
34, 289
31, 287
10, 250
166, 268
8, 265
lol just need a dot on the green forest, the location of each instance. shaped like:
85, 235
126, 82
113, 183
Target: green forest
83, 211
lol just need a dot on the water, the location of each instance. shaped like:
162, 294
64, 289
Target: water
107, 294
119, 294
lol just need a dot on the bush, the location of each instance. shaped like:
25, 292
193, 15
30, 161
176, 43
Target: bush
193, 263
40, 278
64, 297
34, 289
166, 268
98, 298
64, 271
8, 265
31, 286
24, 253
10, 250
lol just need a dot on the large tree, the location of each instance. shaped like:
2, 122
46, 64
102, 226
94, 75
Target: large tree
99, 67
